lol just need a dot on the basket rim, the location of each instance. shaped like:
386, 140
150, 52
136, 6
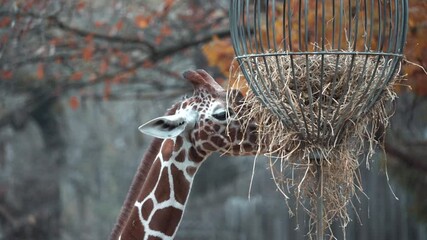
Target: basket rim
286, 53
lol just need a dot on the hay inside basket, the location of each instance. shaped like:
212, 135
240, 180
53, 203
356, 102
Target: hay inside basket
316, 146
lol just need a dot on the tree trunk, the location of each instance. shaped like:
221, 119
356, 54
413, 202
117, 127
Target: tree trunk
36, 214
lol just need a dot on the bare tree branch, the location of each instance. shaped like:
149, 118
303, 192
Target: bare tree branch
410, 160
140, 96
20, 115
19, 222
56, 22
153, 58
406, 141
154, 54
114, 39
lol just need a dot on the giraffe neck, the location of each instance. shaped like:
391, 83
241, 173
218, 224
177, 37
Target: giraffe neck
159, 207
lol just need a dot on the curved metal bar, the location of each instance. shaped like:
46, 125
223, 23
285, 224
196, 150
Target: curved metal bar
371, 32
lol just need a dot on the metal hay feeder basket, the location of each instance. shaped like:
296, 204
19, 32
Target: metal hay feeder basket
357, 43
320, 74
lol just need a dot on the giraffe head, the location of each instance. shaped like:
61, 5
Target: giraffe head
190, 131
205, 120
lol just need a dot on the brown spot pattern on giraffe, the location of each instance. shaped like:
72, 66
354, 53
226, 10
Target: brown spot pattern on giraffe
146, 208
153, 238
191, 170
135, 229
253, 138
208, 146
218, 141
247, 147
194, 155
150, 183
165, 220
209, 129
236, 134
202, 135
178, 143
181, 156
239, 134
237, 148
162, 191
167, 149
181, 185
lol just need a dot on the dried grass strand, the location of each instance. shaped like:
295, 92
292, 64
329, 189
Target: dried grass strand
324, 124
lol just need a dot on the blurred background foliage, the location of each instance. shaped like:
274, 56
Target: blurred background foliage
78, 77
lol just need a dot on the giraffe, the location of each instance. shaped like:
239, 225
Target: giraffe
188, 133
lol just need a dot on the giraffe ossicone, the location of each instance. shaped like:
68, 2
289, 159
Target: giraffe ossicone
189, 132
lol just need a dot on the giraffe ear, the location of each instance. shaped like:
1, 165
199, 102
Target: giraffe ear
164, 127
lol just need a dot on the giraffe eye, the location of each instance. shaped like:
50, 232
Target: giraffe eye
221, 116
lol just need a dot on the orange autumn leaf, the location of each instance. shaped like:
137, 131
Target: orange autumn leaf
74, 102
89, 38
7, 74
167, 5
148, 64
40, 71
158, 40
80, 5
76, 76
87, 53
27, 6
55, 41
122, 77
123, 58
4, 39
219, 53
415, 48
107, 90
58, 60
142, 21
167, 60
92, 77
103, 66
166, 30
99, 24
119, 25
5, 22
